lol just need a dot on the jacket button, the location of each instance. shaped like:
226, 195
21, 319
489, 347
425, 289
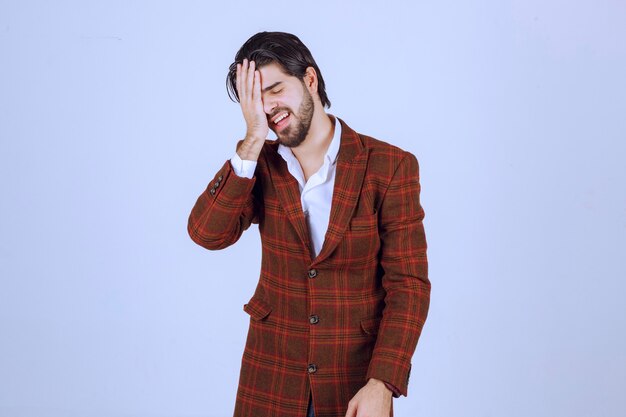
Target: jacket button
212, 191
219, 178
312, 273
314, 319
217, 184
312, 368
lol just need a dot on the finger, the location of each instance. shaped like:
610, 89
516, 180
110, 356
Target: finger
244, 76
250, 78
257, 86
238, 82
351, 410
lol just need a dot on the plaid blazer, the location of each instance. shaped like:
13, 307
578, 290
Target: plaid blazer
324, 325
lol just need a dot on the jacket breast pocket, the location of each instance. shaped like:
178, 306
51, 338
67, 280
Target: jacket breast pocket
360, 243
364, 223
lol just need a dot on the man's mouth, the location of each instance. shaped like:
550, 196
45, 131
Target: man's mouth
281, 120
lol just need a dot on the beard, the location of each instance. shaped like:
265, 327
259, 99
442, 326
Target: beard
294, 134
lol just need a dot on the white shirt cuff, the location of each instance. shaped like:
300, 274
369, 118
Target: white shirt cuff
242, 168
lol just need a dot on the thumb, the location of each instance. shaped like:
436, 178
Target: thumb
351, 409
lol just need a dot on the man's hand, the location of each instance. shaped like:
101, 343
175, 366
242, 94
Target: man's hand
249, 90
373, 400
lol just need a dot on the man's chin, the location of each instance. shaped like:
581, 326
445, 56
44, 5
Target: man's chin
287, 138
282, 139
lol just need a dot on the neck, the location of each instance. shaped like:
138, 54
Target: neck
319, 137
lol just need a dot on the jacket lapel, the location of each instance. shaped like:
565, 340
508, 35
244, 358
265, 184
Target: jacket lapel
350, 171
351, 165
288, 193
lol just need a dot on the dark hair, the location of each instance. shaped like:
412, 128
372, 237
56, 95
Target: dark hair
282, 48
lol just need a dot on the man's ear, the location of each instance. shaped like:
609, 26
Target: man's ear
310, 80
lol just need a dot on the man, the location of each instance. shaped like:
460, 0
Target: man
343, 291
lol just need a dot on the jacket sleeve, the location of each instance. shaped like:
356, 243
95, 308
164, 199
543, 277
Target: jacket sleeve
405, 278
224, 210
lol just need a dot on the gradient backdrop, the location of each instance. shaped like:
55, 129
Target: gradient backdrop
114, 117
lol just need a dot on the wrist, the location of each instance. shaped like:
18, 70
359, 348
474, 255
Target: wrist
250, 148
380, 385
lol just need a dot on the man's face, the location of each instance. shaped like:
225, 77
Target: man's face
286, 95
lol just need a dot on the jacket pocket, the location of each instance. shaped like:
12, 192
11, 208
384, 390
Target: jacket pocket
370, 326
257, 309
364, 223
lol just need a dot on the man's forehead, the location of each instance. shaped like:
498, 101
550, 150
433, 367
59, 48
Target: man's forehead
271, 74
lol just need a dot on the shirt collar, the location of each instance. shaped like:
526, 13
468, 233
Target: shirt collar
333, 148
331, 152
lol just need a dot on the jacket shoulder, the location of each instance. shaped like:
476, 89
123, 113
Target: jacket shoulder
382, 153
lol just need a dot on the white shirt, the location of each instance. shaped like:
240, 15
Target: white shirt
316, 194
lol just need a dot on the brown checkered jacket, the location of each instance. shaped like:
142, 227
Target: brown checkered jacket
325, 325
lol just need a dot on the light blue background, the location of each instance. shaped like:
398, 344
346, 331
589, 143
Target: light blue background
114, 117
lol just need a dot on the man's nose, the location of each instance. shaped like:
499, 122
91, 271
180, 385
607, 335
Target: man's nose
269, 105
